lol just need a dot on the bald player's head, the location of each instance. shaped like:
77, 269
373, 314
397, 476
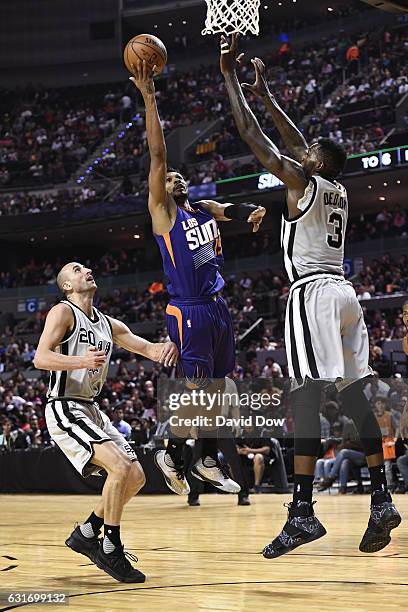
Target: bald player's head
75, 278
62, 277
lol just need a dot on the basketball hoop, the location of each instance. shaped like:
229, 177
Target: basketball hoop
229, 16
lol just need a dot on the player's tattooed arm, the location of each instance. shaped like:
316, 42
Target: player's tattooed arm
287, 170
161, 208
165, 353
59, 322
290, 134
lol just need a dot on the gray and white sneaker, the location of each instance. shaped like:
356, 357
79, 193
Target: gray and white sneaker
209, 470
173, 474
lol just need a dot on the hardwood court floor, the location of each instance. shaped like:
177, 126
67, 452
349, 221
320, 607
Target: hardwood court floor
205, 558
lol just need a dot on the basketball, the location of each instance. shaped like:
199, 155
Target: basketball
145, 47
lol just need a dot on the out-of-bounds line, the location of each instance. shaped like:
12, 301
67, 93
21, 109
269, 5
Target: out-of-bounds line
215, 584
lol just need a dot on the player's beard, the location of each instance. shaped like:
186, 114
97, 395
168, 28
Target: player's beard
180, 199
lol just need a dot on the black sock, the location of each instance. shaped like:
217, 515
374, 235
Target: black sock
92, 526
96, 522
210, 448
112, 538
175, 449
303, 488
378, 479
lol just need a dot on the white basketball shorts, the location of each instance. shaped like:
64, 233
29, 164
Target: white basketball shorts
325, 333
76, 427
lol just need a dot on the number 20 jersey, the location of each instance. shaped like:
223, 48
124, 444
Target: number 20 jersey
313, 241
83, 384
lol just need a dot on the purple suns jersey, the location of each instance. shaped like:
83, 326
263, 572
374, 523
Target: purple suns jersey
192, 255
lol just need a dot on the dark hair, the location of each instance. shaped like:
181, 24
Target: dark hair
172, 169
334, 157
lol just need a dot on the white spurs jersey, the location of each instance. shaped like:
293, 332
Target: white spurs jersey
97, 332
313, 241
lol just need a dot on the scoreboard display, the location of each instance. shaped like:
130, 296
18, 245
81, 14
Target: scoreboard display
384, 159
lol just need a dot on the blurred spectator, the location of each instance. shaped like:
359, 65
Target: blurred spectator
388, 435
122, 426
350, 455
13, 438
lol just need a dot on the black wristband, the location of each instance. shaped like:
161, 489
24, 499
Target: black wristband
240, 212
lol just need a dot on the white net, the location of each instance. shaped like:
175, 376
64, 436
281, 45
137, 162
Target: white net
229, 16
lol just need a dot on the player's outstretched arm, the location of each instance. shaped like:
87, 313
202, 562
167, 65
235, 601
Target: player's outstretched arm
160, 206
165, 353
59, 321
287, 170
291, 135
249, 213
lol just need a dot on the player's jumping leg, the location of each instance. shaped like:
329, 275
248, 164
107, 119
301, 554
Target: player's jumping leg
170, 463
208, 468
384, 516
302, 526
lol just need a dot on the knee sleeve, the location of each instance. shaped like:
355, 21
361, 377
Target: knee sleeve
306, 408
357, 407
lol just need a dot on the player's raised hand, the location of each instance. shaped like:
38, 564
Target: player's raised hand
93, 359
260, 87
169, 354
143, 76
256, 218
229, 54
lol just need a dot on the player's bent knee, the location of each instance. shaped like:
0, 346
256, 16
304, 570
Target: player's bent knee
122, 470
109, 456
137, 475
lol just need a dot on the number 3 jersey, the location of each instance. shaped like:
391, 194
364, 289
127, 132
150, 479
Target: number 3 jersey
83, 384
313, 241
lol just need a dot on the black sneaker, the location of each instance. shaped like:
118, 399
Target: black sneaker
193, 500
117, 565
243, 500
384, 517
301, 527
80, 544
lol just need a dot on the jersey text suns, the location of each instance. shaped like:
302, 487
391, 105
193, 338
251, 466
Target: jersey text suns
199, 235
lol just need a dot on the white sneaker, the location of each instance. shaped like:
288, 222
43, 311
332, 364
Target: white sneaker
210, 471
173, 475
